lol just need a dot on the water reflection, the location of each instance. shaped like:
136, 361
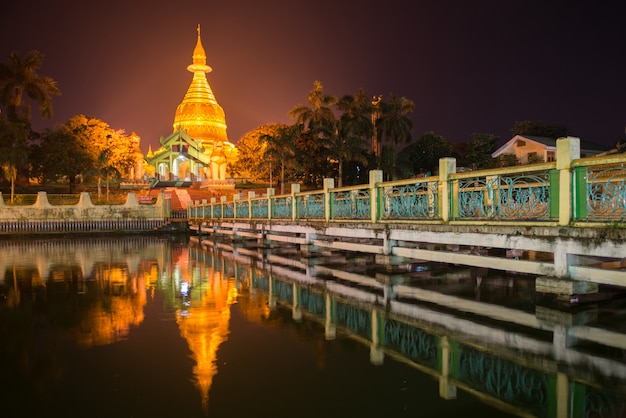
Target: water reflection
204, 297
467, 331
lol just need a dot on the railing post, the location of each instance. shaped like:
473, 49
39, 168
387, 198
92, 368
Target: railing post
236, 198
447, 166
567, 150
376, 176
295, 188
213, 202
328, 205
251, 196
270, 202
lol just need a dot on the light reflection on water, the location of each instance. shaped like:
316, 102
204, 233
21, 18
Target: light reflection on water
141, 326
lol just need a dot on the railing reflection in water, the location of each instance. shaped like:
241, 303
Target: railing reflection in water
505, 377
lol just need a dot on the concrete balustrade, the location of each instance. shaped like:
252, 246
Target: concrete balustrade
42, 210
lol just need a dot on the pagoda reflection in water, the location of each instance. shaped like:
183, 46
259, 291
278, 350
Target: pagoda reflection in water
110, 282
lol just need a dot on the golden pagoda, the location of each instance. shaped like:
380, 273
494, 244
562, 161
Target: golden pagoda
198, 149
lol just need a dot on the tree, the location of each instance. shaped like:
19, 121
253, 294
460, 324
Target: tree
14, 137
88, 147
319, 114
250, 163
424, 154
280, 149
356, 116
481, 147
122, 153
539, 128
315, 126
349, 139
507, 160
19, 78
345, 145
65, 155
393, 126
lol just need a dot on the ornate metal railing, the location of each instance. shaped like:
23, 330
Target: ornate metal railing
310, 205
282, 208
243, 209
260, 208
412, 199
600, 194
594, 188
519, 194
350, 203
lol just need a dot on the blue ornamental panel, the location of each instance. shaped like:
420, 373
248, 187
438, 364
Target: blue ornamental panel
522, 197
509, 382
282, 208
357, 320
606, 194
283, 291
311, 206
351, 205
259, 209
243, 209
312, 302
414, 344
411, 201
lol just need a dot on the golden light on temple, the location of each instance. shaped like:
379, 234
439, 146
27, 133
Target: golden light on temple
199, 114
199, 134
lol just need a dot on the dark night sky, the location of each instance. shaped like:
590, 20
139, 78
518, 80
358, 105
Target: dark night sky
469, 66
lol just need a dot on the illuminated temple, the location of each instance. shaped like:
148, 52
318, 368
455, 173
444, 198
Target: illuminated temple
198, 150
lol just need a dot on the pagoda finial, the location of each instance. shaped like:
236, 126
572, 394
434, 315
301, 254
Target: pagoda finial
199, 56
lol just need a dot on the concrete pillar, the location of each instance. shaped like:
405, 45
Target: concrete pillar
330, 326
562, 339
270, 202
447, 166
376, 176
446, 390
567, 150
377, 355
236, 198
251, 195
562, 396
295, 188
328, 185
42, 200
296, 311
271, 299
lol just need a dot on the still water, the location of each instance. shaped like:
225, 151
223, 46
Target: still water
174, 327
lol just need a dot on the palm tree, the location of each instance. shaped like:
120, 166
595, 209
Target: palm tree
316, 124
14, 137
356, 114
19, 78
280, 149
344, 145
319, 114
393, 124
348, 141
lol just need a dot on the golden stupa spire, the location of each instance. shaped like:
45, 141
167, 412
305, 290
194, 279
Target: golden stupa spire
199, 114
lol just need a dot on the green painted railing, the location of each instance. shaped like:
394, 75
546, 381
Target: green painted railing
568, 191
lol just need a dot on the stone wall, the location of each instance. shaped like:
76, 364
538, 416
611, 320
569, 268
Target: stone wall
42, 210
